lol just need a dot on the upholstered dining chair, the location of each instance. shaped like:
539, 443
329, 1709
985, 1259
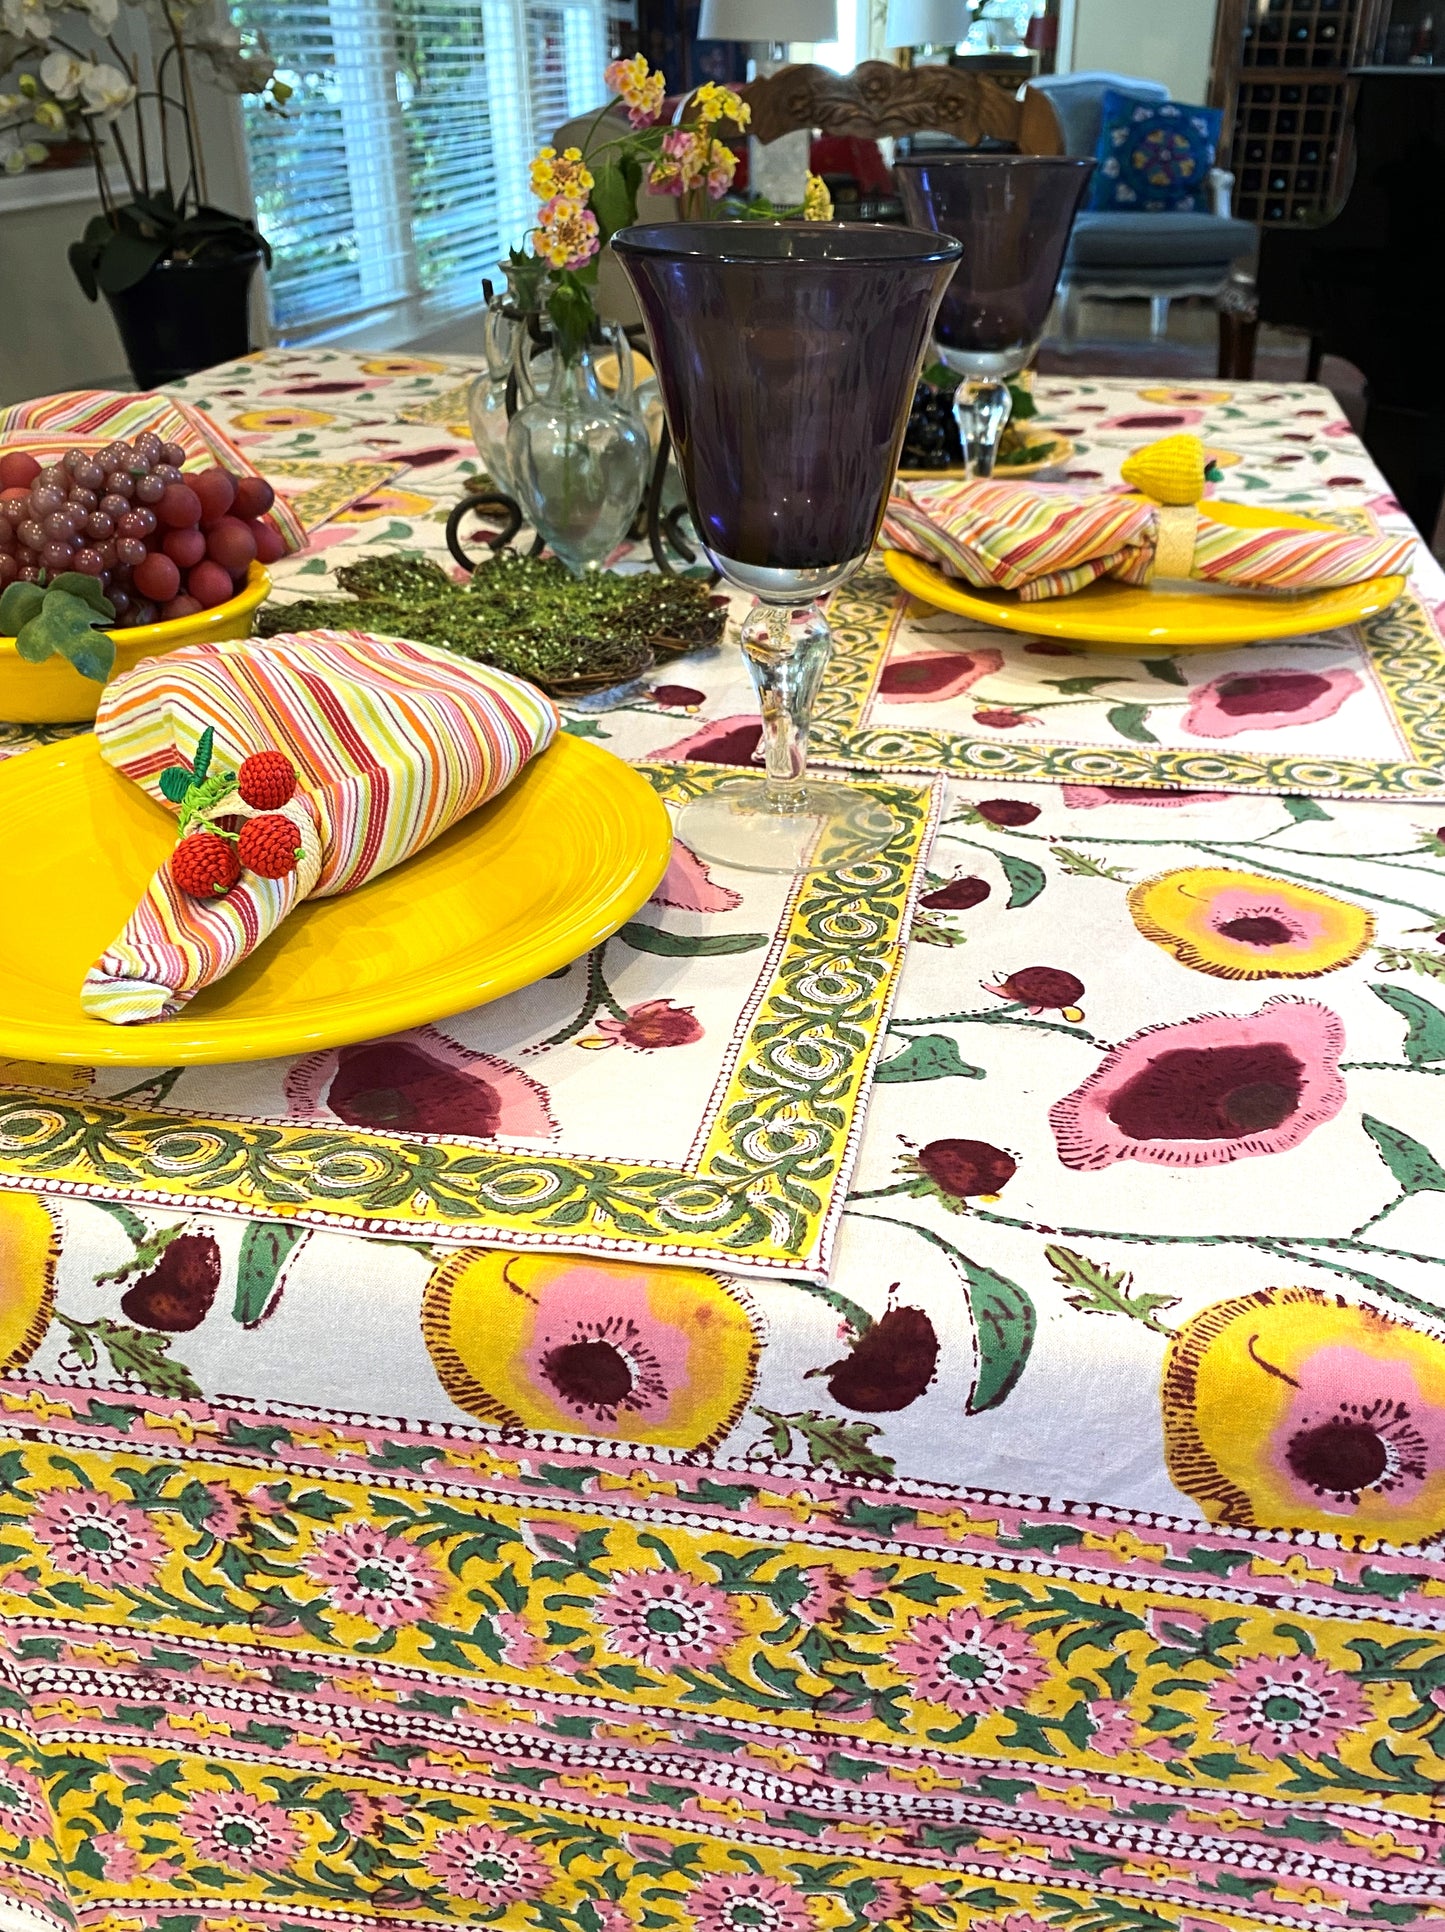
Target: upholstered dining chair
1119, 253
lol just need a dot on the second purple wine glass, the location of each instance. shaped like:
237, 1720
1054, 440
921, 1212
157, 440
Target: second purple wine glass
1012, 213
787, 354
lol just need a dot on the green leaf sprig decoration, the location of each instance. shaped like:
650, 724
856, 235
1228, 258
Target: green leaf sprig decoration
195, 788
65, 617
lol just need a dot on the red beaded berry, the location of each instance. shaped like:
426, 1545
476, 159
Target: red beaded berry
270, 845
204, 865
266, 780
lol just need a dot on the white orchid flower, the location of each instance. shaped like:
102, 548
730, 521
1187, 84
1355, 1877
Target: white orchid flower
29, 20
105, 90
62, 74
12, 155
102, 14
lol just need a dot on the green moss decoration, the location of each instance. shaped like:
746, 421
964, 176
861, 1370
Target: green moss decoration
527, 615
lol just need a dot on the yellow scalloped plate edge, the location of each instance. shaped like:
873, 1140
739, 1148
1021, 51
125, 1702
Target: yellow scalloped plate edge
521, 886
1110, 616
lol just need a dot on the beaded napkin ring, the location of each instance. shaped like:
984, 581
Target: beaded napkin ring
241, 819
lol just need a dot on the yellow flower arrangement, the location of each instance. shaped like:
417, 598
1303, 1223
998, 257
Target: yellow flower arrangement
817, 202
561, 174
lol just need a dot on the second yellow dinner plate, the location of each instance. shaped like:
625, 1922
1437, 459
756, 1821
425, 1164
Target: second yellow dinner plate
520, 887
1110, 616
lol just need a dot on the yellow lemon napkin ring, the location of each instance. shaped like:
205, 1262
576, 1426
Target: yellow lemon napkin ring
1170, 471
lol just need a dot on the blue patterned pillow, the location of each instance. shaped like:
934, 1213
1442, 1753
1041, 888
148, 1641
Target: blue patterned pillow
1154, 155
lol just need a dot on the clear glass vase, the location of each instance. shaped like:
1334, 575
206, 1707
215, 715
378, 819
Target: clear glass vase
579, 457
503, 331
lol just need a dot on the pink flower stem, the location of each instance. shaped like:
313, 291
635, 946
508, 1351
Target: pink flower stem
1004, 1016
597, 995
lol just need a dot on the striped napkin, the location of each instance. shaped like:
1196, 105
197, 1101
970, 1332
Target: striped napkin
391, 742
1045, 540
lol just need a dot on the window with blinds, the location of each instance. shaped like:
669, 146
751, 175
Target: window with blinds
398, 176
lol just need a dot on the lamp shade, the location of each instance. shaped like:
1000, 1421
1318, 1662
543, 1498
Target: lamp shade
770, 20
918, 23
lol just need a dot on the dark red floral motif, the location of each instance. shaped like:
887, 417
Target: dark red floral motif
957, 896
390, 1083
1007, 811
888, 1367
1001, 720
961, 1168
676, 697
655, 1023
177, 1293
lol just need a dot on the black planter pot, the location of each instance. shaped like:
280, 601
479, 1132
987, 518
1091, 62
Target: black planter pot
184, 316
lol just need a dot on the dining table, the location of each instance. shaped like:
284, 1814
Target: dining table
902, 1399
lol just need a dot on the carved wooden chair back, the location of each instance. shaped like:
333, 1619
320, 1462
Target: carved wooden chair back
879, 99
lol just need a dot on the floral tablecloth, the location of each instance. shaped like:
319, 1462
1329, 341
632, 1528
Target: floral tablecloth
1068, 1557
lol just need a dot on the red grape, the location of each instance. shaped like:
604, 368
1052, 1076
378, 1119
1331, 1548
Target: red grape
217, 492
115, 456
137, 523
57, 476
28, 573
18, 470
180, 607
210, 585
149, 447
32, 534
167, 473
107, 553
120, 600
45, 498
120, 483
141, 612
270, 544
149, 489
8, 568
57, 527
73, 458
254, 496
89, 561
113, 505
179, 507
15, 494
157, 578
130, 551
83, 499
99, 526
57, 556
90, 475
174, 453
7, 533
184, 547
230, 544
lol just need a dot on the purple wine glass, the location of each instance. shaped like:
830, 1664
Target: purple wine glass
787, 354
1013, 214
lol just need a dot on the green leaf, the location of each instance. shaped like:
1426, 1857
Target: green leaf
829, 1440
1005, 1323
932, 1057
1026, 880
1301, 809
64, 625
1078, 687
614, 192
1409, 1160
87, 589
1128, 721
18, 605
1425, 1023
678, 945
266, 1247
201, 763
175, 782
124, 260
1099, 1291
1165, 669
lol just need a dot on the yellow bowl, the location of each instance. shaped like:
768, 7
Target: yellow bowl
1111, 617
54, 692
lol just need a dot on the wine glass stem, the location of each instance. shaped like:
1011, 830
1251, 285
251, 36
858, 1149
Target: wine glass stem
981, 409
785, 663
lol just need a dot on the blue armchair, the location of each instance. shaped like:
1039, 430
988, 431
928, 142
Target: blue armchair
1124, 253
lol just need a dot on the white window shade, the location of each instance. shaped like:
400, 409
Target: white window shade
398, 176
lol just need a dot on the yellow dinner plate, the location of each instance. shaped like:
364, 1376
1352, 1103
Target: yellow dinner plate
1059, 451
520, 887
1110, 616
